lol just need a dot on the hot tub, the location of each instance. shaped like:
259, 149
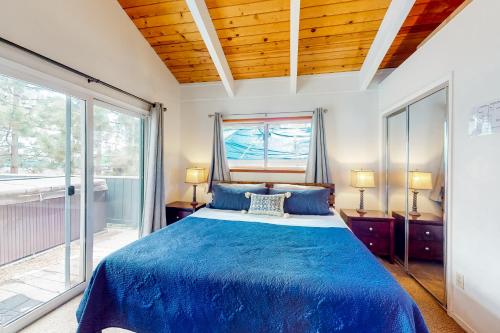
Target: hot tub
32, 214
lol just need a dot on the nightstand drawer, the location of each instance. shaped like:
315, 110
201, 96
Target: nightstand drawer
426, 232
370, 229
175, 215
425, 250
178, 210
378, 246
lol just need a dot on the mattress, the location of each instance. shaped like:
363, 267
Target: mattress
319, 221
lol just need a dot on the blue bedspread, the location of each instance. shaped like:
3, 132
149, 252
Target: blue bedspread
205, 275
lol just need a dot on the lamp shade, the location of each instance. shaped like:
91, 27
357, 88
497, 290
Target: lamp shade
362, 178
196, 175
419, 180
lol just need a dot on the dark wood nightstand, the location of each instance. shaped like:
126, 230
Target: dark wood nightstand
425, 237
374, 228
180, 209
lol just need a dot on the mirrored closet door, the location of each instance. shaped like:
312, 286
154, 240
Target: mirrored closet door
416, 188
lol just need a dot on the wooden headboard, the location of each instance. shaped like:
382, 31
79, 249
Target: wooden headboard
331, 187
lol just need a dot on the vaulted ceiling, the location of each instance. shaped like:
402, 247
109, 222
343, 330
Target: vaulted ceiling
334, 35
424, 17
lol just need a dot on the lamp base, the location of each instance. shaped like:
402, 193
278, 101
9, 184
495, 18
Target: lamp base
361, 211
414, 213
194, 203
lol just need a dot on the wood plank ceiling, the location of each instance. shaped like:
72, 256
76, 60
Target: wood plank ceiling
424, 18
334, 35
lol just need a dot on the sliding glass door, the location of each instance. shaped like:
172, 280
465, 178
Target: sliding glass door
42, 212
118, 168
57, 219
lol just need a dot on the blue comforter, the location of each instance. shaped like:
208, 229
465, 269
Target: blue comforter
206, 275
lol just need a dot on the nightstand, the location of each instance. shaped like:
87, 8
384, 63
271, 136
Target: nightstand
178, 210
374, 228
425, 236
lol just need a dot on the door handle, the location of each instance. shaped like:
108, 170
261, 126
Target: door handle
71, 190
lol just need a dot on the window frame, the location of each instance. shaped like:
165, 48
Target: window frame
266, 122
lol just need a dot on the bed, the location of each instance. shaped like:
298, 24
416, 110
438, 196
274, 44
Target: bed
225, 271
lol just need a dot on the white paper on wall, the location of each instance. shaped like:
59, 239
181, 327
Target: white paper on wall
485, 119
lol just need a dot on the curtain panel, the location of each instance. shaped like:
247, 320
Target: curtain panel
318, 169
154, 197
219, 167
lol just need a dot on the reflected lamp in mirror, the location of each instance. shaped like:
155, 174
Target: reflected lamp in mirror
195, 176
362, 179
418, 180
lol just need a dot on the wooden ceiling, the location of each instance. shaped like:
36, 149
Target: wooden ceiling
334, 35
424, 18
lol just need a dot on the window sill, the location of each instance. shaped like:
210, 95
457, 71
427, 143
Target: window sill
267, 170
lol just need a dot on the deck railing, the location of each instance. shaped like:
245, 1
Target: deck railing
37, 223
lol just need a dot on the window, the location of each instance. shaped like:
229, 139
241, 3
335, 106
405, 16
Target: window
276, 144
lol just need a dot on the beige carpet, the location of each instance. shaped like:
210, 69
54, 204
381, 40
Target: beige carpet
62, 320
435, 317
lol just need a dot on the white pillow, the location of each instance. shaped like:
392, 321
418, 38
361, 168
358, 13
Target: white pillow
267, 204
296, 187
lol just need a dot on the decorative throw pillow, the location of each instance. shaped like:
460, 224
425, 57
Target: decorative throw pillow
267, 204
306, 202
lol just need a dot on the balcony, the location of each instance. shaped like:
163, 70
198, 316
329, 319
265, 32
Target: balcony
32, 235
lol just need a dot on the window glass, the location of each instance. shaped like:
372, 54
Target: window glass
268, 145
41, 256
245, 145
288, 144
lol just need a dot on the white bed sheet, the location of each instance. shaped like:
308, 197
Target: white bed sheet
318, 221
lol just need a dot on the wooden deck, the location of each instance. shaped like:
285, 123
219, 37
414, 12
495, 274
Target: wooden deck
34, 280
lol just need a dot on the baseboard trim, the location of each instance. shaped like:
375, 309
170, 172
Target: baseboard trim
461, 322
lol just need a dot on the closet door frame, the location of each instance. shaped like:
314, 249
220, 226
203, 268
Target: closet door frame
429, 89
404, 110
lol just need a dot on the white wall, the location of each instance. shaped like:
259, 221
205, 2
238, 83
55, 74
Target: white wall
469, 48
97, 38
352, 132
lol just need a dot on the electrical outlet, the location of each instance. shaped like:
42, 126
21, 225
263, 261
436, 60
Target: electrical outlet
460, 281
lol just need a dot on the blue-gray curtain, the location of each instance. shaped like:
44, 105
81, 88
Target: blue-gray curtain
153, 215
318, 169
219, 168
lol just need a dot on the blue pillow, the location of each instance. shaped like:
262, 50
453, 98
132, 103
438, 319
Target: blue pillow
306, 202
233, 197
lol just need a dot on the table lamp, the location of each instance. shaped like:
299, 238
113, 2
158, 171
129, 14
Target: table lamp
362, 179
418, 180
195, 176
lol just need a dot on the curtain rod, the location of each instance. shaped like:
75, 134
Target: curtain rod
90, 79
266, 113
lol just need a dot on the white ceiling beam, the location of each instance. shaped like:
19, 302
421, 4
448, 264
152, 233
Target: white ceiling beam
393, 20
294, 43
203, 21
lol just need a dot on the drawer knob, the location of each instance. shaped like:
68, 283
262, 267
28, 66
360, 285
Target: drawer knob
370, 228
427, 248
371, 244
427, 233
177, 217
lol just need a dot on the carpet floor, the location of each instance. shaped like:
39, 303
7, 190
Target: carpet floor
62, 320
